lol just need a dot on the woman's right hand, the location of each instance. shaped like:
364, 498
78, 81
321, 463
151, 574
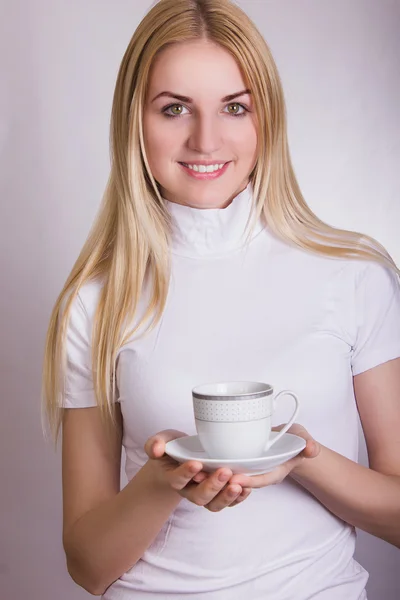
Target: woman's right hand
213, 492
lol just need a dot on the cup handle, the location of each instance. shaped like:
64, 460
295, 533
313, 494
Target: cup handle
292, 419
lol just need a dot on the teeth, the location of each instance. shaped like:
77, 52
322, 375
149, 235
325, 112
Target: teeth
204, 169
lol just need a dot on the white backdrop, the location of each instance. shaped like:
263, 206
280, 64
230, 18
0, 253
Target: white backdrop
339, 62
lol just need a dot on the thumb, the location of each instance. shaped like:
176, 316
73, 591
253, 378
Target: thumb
312, 449
155, 445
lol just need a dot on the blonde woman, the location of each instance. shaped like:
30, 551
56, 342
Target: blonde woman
194, 274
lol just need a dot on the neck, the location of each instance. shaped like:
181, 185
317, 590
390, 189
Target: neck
211, 232
202, 206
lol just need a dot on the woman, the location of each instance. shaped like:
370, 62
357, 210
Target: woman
195, 273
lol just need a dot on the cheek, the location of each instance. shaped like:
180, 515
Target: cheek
244, 135
246, 143
158, 142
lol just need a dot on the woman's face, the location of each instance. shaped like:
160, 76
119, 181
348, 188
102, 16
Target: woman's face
197, 113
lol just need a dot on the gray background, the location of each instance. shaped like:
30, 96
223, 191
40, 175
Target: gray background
339, 62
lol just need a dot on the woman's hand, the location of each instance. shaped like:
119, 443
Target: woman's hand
311, 450
214, 492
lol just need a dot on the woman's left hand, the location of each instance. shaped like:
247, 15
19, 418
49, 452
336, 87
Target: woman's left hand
311, 450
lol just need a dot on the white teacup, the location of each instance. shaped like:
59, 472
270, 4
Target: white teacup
233, 419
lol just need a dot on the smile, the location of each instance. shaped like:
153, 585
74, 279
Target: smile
205, 171
204, 168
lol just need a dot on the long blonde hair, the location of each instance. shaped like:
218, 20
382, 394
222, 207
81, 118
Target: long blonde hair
129, 241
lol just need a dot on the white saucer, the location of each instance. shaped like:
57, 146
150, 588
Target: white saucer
189, 448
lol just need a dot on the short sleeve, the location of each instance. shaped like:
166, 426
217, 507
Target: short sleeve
377, 313
78, 383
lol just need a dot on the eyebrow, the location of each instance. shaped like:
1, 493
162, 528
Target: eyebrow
188, 100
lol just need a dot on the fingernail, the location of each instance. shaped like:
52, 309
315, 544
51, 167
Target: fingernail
223, 477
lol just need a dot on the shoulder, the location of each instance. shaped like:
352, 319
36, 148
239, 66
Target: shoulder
369, 279
81, 314
376, 289
351, 271
370, 271
89, 294
353, 282
312, 267
88, 298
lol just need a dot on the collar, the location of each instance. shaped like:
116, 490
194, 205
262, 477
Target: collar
211, 232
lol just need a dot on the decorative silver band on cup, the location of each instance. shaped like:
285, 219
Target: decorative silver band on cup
233, 411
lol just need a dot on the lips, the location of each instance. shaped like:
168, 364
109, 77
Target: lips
217, 162
205, 175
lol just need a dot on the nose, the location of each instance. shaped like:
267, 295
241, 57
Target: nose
205, 135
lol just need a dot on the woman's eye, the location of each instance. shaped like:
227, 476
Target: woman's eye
236, 107
176, 110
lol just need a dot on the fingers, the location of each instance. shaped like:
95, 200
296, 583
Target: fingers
155, 446
297, 429
203, 493
225, 498
275, 476
201, 477
279, 427
179, 477
312, 449
258, 481
271, 478
214, 491
231, 496
245, 494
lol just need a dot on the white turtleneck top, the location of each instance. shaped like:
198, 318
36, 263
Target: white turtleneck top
263, 311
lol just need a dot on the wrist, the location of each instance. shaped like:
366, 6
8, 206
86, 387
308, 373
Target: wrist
305, 468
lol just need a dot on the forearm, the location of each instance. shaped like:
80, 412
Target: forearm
360, 496
108, 540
